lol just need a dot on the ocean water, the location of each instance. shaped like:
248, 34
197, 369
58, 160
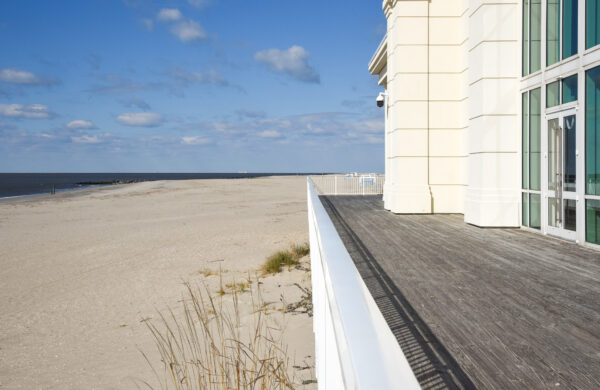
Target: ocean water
19, 184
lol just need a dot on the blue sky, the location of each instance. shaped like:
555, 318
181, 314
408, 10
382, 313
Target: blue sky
189, 86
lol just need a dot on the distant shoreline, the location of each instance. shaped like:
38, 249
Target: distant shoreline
31, 184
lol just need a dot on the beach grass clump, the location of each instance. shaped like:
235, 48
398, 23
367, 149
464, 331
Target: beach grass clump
206, 272
285, 258
300, 250
239, 287
207, 347
278, 260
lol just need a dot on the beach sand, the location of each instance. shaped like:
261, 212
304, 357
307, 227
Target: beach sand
81, 270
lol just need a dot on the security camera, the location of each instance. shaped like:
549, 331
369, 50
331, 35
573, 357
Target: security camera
380, 99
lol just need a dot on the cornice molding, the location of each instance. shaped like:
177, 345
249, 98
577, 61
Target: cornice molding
388, 5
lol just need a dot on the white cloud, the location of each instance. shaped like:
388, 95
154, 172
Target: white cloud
208, 77
253, 114
32, 111
80, 124
137, 102
269, 134
86, 139
292, 62
169, 15
195, 141
17, 76
199, 3
188, 31
140, 119
23, 77
148, 23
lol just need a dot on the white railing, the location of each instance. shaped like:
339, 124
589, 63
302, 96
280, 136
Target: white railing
350, 184
355, 348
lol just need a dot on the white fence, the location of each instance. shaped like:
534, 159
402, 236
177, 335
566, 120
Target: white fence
355, 348
351, 184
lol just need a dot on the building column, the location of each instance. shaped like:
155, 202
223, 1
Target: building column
492, 197
407, 133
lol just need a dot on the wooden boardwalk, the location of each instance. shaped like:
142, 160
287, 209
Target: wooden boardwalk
478, 308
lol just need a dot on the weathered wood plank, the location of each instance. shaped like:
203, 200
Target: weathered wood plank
478, 308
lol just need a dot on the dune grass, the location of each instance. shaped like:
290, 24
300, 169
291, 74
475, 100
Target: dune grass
285, 258
206, 349
300, 250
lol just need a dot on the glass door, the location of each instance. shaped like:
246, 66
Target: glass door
562, 174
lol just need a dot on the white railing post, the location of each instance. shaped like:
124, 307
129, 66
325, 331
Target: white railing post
335, 185
350, 184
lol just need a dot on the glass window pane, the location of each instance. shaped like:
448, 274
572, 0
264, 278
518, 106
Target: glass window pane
525, 51
552, 32
592, 131
535, 31
569, 89
525, 141
592, 221
534, 211
525, 209
570, 150
554, 160
535, 127
592, 23
569, 28
552, 97
570, 214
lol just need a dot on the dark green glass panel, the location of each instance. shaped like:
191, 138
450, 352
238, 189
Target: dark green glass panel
535, 32
552, 32
535, 208
552, 96
525, 209
592, 131
592, 221
569, 89
592, 23
535, 127
569, 30
525, 49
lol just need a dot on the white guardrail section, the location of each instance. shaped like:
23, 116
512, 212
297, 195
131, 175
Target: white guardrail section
355, 348
351, 184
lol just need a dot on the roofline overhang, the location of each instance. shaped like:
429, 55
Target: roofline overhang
379, 60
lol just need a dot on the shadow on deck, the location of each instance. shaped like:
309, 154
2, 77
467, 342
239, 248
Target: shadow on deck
477, 308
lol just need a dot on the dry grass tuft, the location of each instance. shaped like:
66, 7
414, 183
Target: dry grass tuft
238, 287
278, 260
285, 258
207, 350
301, 250
207, 272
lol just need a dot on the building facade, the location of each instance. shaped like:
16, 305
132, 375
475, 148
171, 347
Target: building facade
492, 110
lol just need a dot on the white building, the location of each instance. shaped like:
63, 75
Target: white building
493, 111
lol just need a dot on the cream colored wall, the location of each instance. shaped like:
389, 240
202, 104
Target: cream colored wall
448, 103
426, 106
407, 50
492, 197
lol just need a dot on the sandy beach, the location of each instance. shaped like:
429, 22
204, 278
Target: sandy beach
81, 271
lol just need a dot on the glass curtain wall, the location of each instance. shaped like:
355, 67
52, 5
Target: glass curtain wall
552, 32
532, 36
531, 158
592, 23
569, 31
592, 154
561, 30
569, 89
